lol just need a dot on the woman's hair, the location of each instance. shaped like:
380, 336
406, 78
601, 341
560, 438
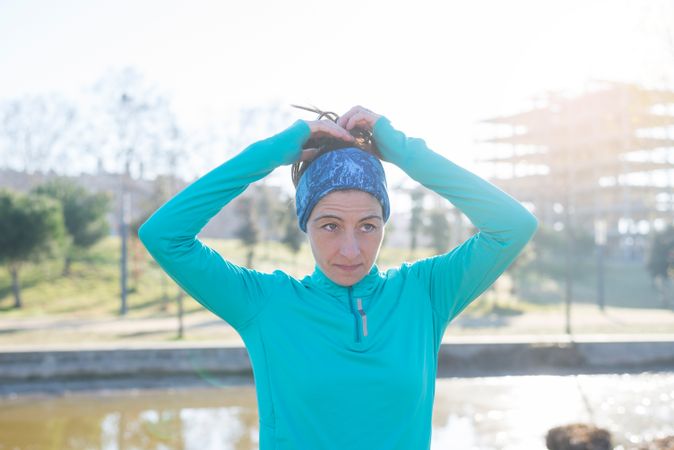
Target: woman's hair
364, 141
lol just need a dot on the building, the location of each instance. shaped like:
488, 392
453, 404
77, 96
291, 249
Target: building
604, 156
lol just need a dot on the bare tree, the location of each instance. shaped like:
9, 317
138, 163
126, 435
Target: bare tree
252, 124
173, 153
417, 217
32, 129
139, 124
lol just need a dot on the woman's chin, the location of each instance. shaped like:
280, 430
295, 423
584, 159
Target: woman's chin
348, 279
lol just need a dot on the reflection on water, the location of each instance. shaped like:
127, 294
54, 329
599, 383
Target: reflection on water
509, 413
504, 413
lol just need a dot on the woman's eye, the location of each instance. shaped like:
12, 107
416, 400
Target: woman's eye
368, 227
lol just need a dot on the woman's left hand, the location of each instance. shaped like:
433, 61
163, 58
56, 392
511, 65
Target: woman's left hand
358, 117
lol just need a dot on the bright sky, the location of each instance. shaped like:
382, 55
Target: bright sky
434, 68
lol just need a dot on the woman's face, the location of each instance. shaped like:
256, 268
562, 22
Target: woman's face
345, 231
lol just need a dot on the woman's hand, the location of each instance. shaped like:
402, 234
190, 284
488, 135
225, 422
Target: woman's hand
324, 128
358, 117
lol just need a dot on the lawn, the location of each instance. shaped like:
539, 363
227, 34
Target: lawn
93, 288
92, 291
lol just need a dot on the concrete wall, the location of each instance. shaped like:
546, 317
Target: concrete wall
26, 371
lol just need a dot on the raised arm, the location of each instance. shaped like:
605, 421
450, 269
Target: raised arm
505, 226
232, 292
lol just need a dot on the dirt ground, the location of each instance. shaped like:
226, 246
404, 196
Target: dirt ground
587, 321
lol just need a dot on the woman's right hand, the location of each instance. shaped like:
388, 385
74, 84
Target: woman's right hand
324, 128
358, 116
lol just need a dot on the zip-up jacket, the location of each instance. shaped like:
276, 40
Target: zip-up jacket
340, 367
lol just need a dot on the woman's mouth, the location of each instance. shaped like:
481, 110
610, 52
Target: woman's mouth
348, 268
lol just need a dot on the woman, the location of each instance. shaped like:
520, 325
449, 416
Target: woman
346, 357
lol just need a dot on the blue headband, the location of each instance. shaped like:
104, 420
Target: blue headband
345, 168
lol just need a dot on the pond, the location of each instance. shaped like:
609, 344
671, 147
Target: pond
482, 413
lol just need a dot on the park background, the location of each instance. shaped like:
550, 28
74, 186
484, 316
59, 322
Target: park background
107, 110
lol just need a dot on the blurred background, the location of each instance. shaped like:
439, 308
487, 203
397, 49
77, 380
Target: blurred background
107, 109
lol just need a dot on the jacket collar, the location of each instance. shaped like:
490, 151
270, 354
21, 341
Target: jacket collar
365, 287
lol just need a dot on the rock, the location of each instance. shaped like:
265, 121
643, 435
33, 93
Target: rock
578, 436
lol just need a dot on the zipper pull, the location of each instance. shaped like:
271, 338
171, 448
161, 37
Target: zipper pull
363, 316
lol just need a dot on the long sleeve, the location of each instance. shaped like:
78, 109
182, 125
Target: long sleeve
504, 225
234, 293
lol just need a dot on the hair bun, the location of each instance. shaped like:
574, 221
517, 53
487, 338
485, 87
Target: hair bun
364, 141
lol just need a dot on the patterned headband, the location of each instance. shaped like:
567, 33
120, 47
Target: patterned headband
345, 168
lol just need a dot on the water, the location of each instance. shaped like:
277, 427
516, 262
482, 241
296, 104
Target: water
515, 412
504, 413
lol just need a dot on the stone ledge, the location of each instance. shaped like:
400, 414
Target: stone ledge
454, 359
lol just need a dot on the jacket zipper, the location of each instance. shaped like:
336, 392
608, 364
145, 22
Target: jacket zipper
362, 325
363, 317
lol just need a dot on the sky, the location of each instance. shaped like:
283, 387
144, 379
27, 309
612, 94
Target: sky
435, 69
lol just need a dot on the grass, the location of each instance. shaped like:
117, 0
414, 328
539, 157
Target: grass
626, 284
92, 290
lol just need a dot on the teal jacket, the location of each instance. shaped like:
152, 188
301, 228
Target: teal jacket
341, 367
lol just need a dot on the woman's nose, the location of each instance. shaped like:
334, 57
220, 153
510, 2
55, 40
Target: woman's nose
349, 247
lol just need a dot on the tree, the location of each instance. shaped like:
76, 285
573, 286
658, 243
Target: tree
140, 125
660, 261
439, 229
389, 229
549, 246
161, 192
249, 125
417, 196
84, 215
518, 268
293, 237
268, 214
32, 128
31, 227
558, 255
249, 231
163, 188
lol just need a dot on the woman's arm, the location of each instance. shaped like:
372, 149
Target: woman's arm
232, 292
505, 226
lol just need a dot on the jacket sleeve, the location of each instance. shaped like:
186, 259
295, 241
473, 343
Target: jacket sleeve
505, 226
234, 293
